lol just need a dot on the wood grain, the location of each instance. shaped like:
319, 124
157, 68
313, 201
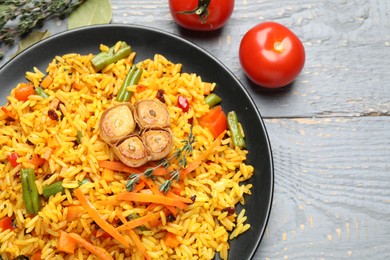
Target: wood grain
329, 130
332, 189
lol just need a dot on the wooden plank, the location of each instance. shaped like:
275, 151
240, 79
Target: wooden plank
332, 189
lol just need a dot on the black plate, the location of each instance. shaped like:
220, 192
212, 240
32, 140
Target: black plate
147, 42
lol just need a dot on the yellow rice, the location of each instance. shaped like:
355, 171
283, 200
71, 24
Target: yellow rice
203, 229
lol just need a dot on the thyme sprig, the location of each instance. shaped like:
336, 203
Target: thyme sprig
180, 156
28, 14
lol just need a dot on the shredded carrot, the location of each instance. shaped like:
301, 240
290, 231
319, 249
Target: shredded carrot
74, 212
108, 175
141, 88
157, 170
36, 161
175, 196
193, 165
152, 186
170, 240
103, 224
37, 255
135, 238
46, 81
139, 244
118, 166
139, 186
139, 221
151, 198
98, 251
8, 113
66, 243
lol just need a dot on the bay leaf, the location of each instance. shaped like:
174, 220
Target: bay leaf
91, 12
30, 39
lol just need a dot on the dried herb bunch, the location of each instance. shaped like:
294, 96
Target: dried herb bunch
19, 17
179, 156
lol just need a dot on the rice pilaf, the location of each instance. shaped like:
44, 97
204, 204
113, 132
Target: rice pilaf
72, 149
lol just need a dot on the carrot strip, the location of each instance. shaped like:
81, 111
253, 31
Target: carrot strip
138, 221
46, 81
139, 244
66, 243
207, 88
98, 251
152, 186
8, 113
175, 196
103, 224
139, 187
135, 238
152, 198
37, 255
195, 164
118, 166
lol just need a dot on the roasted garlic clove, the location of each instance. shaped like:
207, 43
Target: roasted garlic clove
131, 151
158, 142
116, 123
152, 113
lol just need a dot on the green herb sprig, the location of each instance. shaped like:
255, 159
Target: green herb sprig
29, 14
180, 156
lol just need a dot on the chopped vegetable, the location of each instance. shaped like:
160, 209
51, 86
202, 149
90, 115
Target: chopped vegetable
194, 164
171, 240
52, 189
234, 127
79, 136
6, 223
213, 100
135, 238
151, 198
66, 243
98, 251
13, 159
207, 88
74, 212
39, 91
182, 102
29, 191
132, 78
215, 120
139, 244
103, 224
36, 161
23, 91
37, 255
108, 175
7, 112
141, 88
137, 222
118, 166
46, 81
103, 59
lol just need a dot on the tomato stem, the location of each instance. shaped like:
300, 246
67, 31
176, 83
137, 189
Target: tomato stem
201, 10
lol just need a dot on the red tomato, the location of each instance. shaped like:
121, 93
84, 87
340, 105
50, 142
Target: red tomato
271, 55
201, 15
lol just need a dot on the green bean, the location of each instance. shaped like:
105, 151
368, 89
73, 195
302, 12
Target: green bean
52, 189
39, 91
103, 59
235, 129
29, 191
132, 78
213, 99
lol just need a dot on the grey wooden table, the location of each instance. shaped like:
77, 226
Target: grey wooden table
329, 131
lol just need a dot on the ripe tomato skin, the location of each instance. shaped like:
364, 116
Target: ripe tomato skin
219, 12
271, 55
